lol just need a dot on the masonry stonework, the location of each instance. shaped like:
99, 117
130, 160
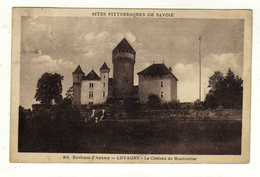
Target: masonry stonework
93, 89
77, 77
158, 80
123, 58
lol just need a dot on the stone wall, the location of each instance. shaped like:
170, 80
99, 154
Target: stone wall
120, 112
123, 79
152, 85
194, 114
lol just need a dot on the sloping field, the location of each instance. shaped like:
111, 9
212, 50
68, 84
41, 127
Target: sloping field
183, 136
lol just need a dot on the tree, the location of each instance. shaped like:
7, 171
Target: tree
69, 94
153, 101
49, 89
232, 88
225, 91
215, 80
213, 98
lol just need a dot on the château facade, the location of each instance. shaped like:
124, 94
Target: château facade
95, 89
157, 79
90, 89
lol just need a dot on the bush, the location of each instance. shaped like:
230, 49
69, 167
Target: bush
111, 100
173, 105
132, 107
153, 101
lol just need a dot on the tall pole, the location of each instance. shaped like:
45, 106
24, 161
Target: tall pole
200, 67
204, 94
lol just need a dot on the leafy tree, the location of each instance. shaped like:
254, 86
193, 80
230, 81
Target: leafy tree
153, 101
215, 80
69, 94
49, 89
225, 91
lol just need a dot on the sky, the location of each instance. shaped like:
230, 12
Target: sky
60, 44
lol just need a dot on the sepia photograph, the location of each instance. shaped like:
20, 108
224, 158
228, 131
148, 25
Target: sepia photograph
130, 85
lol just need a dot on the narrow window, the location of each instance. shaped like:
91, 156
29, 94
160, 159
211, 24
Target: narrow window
104, 76
104, 94
161, 83
90, 102
104, 84
91, 85
161, 94
90, 94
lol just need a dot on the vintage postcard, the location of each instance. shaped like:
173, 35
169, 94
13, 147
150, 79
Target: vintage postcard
130, 86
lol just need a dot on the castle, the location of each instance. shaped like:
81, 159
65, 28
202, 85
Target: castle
93, 89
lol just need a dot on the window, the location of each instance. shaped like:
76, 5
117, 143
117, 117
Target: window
104, 76
161, 94
104, 84
90, 94
91, 85
104, 94
90, 102
161, 83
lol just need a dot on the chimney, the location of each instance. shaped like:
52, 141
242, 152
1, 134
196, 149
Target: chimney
170, 69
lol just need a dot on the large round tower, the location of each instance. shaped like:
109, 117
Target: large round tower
123, 57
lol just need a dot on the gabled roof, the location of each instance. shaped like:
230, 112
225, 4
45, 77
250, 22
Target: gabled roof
78, 70
155, 70
104, 67
91, 76
124, 45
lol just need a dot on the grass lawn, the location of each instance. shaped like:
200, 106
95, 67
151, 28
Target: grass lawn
140, 137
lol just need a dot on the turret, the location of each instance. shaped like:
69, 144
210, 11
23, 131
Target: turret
77, 74
104, 68
124, 52
104, 72
123, 58
104, 76
77, 77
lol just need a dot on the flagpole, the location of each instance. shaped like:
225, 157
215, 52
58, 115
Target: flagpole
200, 67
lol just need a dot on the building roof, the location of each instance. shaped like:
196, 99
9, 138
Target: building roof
155, 70
124, 45
91, 76
104, 67
78, 70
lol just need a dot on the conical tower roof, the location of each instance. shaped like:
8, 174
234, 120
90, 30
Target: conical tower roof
124, 45
78, 70
104, 67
